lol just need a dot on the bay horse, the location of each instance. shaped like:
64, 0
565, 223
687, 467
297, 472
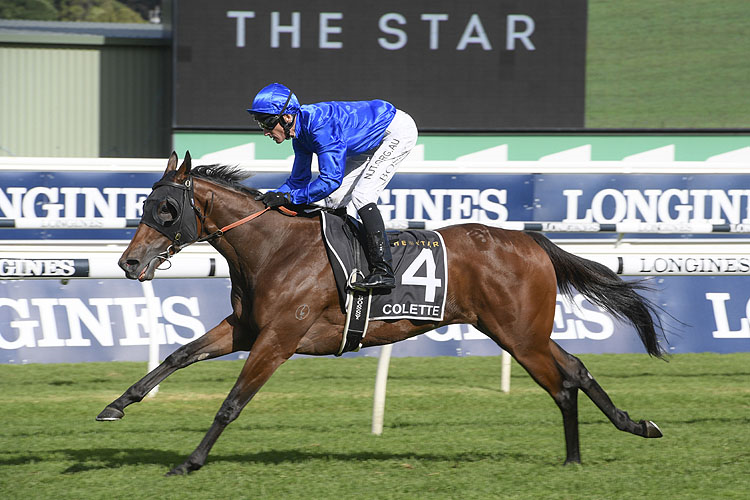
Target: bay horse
284, 298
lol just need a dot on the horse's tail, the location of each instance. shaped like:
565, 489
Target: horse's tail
606, 289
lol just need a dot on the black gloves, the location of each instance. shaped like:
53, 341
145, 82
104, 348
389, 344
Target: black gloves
273, 199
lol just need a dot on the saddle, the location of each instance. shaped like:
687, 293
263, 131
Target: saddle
420, 266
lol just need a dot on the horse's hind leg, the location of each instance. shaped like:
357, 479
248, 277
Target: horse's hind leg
543, 369
220, 340
577, 374
536, 358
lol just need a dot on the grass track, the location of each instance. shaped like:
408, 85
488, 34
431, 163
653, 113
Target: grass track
450, 432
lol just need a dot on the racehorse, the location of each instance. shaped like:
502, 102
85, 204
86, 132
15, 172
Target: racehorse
284, 298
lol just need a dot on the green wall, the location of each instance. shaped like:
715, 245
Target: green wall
519, 147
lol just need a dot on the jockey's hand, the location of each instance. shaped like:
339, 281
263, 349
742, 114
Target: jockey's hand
273, 199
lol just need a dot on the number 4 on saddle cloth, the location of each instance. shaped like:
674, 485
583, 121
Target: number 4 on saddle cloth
420, 266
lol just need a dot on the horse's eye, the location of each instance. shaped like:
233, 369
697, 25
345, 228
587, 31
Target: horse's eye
166, 213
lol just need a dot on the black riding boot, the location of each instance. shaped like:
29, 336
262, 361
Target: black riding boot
378, 251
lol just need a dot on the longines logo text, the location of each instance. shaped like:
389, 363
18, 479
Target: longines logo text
69, 202
716, 206
39, 322
725, 323
20, 268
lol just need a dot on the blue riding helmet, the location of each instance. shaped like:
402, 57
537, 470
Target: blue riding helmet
271, 100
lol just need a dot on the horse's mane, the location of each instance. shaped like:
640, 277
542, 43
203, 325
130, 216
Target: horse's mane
231, 176
227, 175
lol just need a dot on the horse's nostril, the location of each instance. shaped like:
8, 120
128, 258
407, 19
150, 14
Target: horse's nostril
129, 264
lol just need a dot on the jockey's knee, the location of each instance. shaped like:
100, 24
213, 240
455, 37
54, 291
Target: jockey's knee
361, 199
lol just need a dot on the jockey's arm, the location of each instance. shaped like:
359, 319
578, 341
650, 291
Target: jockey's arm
331, 166
301, 174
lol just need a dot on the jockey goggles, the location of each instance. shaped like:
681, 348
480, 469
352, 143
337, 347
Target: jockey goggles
269, 121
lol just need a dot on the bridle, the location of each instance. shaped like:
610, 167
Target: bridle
166, 214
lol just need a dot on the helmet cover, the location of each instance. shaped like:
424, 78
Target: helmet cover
271, 99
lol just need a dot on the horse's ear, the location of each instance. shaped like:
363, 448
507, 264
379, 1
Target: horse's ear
184, 170
172, 163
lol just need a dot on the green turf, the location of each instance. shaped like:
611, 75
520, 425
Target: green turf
668, 64
449, 433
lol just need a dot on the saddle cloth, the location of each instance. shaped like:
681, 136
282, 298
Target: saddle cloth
419, 262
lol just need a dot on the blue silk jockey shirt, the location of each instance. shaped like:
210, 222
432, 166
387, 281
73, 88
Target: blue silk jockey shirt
332, 130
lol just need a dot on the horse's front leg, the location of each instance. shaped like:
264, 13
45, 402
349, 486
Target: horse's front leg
224, 338
265, 357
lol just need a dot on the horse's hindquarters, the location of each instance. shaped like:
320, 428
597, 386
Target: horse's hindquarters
500, 281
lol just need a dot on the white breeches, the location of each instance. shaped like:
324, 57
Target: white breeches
367, 174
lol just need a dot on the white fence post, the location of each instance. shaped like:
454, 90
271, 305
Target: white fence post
505, 372
381, 380
152, 308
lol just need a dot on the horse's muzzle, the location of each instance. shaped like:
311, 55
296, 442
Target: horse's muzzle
135, 270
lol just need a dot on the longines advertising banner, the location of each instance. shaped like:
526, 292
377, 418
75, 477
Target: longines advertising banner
477, 65
99, 320
110, 320
601, 198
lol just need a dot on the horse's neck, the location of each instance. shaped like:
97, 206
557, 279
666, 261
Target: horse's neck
248, 245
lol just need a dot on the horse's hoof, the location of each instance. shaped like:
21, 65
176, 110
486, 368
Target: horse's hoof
183, 470
110, 413
651, 429
178, 471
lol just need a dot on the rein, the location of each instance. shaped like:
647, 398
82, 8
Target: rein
220, 232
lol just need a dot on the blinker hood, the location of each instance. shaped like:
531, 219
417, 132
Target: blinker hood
168, 209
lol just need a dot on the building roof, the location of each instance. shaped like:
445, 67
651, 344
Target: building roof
19, 31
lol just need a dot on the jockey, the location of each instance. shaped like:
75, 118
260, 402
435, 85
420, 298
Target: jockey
359, 146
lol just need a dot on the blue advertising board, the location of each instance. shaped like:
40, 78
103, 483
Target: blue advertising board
603, 198
108, 320
90, 320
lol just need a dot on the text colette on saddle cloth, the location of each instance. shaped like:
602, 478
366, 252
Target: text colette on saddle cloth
419, 262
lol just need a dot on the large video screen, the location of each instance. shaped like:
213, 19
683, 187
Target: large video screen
454, 66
